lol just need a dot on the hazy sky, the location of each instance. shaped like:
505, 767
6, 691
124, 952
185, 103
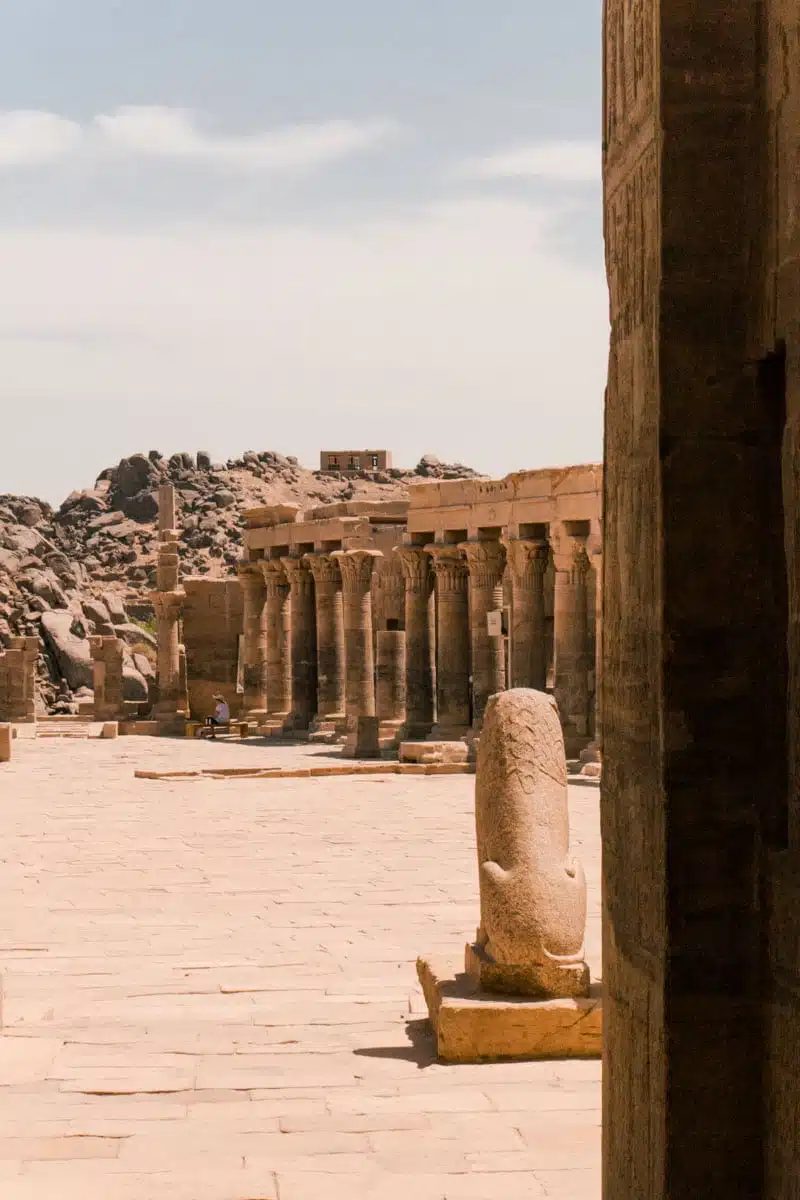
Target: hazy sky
268, 225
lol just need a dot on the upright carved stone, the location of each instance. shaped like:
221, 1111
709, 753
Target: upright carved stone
533, 893
279, 656
486, 562
356, 567
330, 638
168, 607
304, 644
20, 678
166, 507
452, 643
527, 559
420, 640
107, 656
390, 695
571, 636
254, 619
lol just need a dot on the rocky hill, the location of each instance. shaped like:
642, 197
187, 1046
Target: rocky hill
88, 566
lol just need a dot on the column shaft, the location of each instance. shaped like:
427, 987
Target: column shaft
254, 620
330, 636
452, 643
420, 641
485, 563
303, 643
390, 691
527, 559
279, 625
572, 665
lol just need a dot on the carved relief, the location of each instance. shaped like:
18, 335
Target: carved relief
631, 242
629, 66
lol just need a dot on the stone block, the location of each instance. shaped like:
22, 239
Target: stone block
472, 1025
433, 752
6, 735
362, 739
110, 729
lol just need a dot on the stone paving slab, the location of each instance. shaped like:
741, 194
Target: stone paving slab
210, 988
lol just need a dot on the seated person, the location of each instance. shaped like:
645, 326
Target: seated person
222, 715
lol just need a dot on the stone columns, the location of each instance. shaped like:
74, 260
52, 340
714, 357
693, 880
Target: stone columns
107, 677
279, 655
390, 691
303, 644
527, 560
356, 567
485, 562
420, 641
452, 643
168, 606
254, 595
571, 636
330, 638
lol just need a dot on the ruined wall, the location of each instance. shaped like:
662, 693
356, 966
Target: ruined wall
212, 625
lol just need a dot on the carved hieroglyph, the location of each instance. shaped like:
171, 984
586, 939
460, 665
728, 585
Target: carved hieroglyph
533, 893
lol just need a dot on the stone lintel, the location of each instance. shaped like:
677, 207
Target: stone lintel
474, 1026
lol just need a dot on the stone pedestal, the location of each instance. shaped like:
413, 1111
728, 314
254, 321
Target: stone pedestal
420, 641
168, 607
571, 637
453, 713
356, 567
254, 619
330, 644
279, 654
527, 560
390, 690
303, 645
6, 738
485, 563
107, 679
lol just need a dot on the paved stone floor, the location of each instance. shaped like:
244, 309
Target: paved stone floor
210, 990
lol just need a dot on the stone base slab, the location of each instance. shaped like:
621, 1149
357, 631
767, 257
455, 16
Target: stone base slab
476, 1026
140, 728
433, 752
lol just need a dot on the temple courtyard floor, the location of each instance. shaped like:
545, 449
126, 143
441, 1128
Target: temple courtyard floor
210, 990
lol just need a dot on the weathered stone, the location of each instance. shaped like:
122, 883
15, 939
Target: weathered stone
6, 737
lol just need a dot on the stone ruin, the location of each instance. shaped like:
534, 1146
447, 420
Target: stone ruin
526, 990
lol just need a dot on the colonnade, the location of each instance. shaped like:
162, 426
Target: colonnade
475, 623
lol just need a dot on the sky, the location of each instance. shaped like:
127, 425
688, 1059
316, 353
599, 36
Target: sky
260, 225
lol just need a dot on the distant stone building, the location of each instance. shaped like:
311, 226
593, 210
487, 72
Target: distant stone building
353, 462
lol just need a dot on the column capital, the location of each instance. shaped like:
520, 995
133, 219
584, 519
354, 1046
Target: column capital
569, 549
356, 567
449, 567
250, 575
298, 574
527, 558
168, 605
485, 561
274, 574
324, 568
416, 564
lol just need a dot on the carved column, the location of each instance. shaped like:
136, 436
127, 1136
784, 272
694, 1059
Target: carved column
279, 656
330, 637
107, 678
303, 643
254, 620
452, 643
168, 606
357, 567
570, 632
390, 689
485, 562
527, 558
420, 641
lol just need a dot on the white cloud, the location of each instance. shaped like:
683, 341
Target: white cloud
454, 329
28, 138
560, 162
174, 133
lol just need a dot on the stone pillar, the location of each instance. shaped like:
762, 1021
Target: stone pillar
486, 563
330, 640
527, 560
168, 607
390, 691
21, 679
420, 641
166, 507
356, 567
452, 644
107, 656
571, 637
303, 644
279, 653
254, 620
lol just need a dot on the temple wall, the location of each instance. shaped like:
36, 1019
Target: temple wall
212, 624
